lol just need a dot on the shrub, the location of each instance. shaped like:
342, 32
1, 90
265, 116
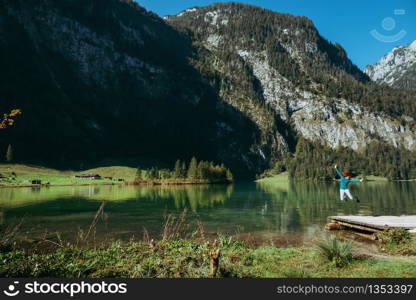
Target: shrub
397, 236
224, 240
335, 251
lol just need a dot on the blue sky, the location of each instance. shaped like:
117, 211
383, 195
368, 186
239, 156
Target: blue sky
349, 23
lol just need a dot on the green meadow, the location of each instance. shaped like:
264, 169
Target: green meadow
19, 175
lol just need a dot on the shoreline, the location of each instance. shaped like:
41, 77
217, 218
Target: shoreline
152, 183
284, 177
58, 178
22, 176
58, 185
119, 184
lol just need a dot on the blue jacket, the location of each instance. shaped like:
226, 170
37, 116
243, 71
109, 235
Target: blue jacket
343, 185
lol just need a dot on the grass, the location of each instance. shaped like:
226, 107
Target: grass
113, 171
398, 242
279, 178
184, 258
182, 253
18, 175
275, 183
55, 177
375, 178
336, 251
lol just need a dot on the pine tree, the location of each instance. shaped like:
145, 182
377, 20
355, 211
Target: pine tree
153, 173
138, 174
206, 172
165, 174
193, 169
9, 154
229, 176
177, 170
183, 170
200, 171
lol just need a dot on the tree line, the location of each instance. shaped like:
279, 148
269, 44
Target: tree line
314, 161
194, 172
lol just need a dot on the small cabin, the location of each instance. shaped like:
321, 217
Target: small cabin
34, 181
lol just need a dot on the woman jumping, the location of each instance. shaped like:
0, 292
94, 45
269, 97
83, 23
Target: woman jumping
343, 185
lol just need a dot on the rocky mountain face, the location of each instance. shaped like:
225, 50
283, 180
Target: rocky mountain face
280, 62
228, 82
397, 68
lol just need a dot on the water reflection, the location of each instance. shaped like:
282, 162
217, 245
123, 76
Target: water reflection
263, 209
192, 197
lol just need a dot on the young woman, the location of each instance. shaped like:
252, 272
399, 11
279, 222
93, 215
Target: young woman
343, 185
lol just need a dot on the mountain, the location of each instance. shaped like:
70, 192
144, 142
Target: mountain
233, 83
107, 79
273, 66
397, 68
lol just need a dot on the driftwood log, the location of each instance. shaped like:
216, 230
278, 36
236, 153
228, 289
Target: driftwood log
333, 226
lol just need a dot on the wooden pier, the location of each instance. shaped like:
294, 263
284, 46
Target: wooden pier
370, 226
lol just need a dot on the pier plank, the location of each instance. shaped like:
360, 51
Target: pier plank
377, 222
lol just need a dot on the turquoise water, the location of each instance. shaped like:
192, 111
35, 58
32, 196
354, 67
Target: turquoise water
287, 212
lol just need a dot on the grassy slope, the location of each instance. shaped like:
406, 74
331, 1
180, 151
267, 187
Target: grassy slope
375, 178
183, 258
280, 178
56, 177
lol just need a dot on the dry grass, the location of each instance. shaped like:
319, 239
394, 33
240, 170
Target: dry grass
175, 228
9, 234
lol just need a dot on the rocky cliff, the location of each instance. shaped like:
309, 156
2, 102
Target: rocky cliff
397, 68
281, 56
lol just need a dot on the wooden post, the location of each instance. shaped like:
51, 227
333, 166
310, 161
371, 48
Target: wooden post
214, 262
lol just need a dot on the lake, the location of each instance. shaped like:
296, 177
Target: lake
286, 213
